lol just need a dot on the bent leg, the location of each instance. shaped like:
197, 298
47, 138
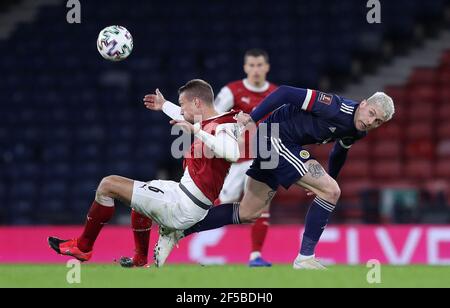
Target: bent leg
320, 183
257, 196
102, 209
115, 187
327, 194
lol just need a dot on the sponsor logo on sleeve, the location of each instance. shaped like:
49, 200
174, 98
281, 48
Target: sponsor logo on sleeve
325, 98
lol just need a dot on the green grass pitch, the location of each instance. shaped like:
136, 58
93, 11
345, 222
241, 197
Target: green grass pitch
228, 276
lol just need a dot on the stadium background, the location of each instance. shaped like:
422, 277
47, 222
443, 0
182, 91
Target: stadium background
68, 117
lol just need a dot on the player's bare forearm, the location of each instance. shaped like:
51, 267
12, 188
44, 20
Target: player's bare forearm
244, 119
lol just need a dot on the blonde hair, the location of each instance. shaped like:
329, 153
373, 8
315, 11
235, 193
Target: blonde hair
383, 101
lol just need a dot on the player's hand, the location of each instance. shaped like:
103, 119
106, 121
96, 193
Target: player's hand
243, 118
154, 101
187, 127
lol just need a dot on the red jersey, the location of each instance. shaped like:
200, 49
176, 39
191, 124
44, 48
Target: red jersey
241, 96
208, 172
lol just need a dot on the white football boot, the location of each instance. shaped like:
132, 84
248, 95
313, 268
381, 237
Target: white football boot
167, 240
308, 264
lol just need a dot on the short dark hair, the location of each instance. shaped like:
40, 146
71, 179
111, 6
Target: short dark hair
198, 88
256, 52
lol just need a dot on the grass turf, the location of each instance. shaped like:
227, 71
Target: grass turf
234, 276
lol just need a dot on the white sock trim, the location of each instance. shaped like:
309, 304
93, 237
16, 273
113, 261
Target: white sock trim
141, 230
254, 255
105, 201
301, 257
265, 215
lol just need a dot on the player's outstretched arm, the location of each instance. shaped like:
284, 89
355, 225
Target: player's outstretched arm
224, 143
281, 96
157, 102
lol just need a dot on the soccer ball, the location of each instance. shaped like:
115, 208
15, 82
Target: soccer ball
115, 43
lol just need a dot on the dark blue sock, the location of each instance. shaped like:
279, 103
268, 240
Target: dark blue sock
218, 216
316, 220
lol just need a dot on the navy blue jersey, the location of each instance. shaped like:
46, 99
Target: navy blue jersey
304, 117
313, 117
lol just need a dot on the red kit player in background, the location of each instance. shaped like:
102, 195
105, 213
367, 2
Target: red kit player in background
244, 95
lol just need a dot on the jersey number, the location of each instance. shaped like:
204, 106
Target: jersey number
152, 188
155, 189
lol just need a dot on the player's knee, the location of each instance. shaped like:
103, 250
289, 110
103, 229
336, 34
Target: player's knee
332, 192
246, 216
249, 219
106, 186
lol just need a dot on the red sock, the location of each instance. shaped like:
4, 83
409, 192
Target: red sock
259, 231
97, 217
141, 226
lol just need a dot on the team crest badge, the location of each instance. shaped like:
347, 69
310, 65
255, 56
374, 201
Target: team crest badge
304, 154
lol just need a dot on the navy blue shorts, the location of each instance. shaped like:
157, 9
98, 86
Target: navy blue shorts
290, 168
